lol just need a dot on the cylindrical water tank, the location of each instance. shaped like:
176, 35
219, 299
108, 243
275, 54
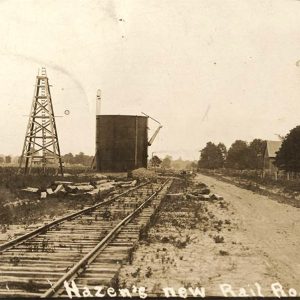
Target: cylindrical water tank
121, 142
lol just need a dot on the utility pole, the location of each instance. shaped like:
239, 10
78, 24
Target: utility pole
41, 146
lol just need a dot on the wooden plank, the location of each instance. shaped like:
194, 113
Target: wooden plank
35, 273
47, 255
18, 294
31, 268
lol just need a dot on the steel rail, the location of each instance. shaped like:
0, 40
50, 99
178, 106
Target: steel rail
89, 257
46, 227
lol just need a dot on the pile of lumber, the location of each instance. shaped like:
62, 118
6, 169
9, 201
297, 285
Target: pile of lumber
205, 197
75, 189
202, 192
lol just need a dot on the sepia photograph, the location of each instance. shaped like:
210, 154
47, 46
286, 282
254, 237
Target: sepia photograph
149, 149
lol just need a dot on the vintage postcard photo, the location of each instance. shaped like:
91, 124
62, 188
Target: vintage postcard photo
149, 149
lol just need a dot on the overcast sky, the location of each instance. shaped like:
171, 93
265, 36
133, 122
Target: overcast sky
207, 70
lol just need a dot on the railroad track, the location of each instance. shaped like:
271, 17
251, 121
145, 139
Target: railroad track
89, 245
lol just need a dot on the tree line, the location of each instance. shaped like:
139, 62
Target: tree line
288, 156
168, 162
242, 155
78, 159
5, 159
70, 159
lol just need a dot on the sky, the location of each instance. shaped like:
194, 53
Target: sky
208, 70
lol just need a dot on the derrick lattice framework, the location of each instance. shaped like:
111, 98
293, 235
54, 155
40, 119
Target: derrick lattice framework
41, 146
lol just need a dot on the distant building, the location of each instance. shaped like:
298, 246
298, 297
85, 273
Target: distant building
269, 156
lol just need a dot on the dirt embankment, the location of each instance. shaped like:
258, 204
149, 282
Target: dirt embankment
245, 240
24, 218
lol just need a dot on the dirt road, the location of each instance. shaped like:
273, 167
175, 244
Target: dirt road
269, 230
239, 246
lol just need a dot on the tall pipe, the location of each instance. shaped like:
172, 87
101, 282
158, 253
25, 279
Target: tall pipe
98, 111
98, 102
